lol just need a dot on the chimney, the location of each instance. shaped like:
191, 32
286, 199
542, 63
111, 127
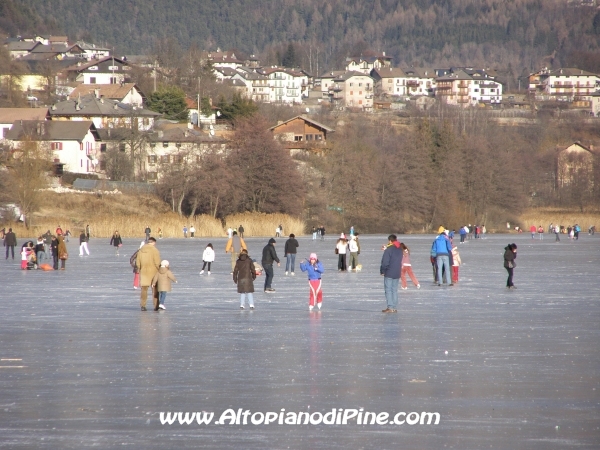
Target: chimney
39, 128
161, 134
97, 93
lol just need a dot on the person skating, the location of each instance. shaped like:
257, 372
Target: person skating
10, 242
354, 249
244, 275
136, 271
315, 270
148, 263
442, 248
289, 252
235, 245
241, 231
162, 282
192, 231
456, 262
62, 251
40, 250
269, 255
510, 254
116, 241
407, 268
341, 248
54, 252
208, 257
147, 232
391, 266
83, 240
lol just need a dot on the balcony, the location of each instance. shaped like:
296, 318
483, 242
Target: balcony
336, 88
463, 85
412, 83
444, 87
463, 100
562, 86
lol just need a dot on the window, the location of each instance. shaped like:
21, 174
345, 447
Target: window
152, 175
102, 148
360, 102
297, 138
177, 159
318, 137
113, 80
391, 81
359, 84
351, 92
165, 144
309, 137
152, 159
122, 146
4, 131
56, 146
351, 84
178, 144
152, 144
359, 92
81, 146
165, 159
102, 165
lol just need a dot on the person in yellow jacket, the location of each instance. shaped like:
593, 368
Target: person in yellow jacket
235, 245
148, 263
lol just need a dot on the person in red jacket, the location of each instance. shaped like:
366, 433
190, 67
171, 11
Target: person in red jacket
533, 229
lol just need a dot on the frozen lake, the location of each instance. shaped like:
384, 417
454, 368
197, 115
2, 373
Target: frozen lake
83, 367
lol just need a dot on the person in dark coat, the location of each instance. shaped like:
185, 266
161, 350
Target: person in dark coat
290, 250
244, 275
62, 251
510, 254
116, 241
54, 251
269, 255
391, 266
10, 242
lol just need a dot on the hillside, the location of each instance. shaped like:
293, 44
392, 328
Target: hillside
514, 35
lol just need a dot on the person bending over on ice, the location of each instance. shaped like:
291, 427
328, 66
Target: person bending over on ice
315, 270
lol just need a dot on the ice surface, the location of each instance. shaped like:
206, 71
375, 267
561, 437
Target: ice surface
82, 366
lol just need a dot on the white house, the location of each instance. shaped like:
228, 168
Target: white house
566, 84
127, 93
72, 144
107, 70
366, 64
284, 85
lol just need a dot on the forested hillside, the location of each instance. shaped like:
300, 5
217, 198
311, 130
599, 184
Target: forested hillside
515, 35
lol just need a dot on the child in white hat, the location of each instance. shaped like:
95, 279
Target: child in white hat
162, 280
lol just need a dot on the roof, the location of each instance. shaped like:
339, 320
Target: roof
421, 72
306, 119
95, 62
390, 72
47, 130
571, 72
90, 106
333, 74
111, 91
21, 46
347, 75
181, 133
10, 115
54, 48
458, 75
226, 71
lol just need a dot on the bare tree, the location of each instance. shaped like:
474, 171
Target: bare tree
27, 173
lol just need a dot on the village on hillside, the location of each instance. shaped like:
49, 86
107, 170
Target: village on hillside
98, 107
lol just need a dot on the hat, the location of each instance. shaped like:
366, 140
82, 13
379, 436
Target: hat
313, 256
441, 229
272, 241
446, 232
342, 236
164, 263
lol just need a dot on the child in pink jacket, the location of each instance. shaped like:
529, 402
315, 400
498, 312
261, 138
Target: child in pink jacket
407, 268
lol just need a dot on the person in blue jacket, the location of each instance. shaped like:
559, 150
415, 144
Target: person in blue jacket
314, 267
442, 248
391, 266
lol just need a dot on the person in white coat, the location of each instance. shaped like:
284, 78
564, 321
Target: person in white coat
208, 257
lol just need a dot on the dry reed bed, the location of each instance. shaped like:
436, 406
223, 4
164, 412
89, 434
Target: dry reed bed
545, 216
258, 224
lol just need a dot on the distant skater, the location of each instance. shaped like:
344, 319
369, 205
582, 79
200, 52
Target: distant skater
315, 270
116, 241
